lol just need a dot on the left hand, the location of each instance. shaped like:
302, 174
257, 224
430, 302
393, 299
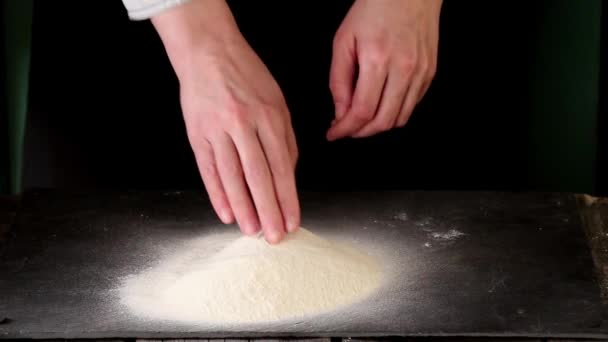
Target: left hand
390, 46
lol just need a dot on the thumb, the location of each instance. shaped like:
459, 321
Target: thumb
342, 73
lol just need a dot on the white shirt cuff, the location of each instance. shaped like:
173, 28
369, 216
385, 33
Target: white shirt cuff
145, 9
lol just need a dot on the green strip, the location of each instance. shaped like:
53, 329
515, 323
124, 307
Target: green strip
565, 94
17, 38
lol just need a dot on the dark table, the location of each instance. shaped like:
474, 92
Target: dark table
558, 214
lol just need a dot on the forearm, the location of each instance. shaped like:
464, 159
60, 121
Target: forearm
196, 27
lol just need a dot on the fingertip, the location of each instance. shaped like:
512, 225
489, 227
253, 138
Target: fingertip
332, 138
292, 224
331, 133
273, 236
226, 216
364, 134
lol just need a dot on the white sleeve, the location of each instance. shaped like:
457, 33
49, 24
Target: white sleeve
145, 9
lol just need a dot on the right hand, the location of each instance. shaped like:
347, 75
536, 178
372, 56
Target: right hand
237, 121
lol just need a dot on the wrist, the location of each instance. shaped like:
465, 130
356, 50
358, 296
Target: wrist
196, 28
436, 6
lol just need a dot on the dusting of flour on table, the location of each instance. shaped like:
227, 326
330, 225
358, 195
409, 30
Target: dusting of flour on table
225, 279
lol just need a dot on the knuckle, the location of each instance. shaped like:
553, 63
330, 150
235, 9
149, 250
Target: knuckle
336, 86
363, 112
282, 170
209, 168
338, 40
279, 162
380, 44
363, 115
424, 66
198, 142
402, 123
282, 167
233, 169
275, 134
256, 171
294, 162
269, 114
196, 131
377, 58
239, 116
267, 110
193, 132
378, 53
381, 126
432, 71
406, 64
333, 85
296, 154
385, 125
236, 108
403, 120
239, 126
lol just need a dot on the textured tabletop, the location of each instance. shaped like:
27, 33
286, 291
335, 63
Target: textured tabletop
460, 263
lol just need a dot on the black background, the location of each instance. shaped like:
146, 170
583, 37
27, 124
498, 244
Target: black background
105, 109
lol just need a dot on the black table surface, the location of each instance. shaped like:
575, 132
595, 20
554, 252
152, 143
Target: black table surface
520, 266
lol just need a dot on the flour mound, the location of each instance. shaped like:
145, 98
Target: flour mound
247, 280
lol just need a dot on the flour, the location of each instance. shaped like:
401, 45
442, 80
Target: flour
227, 279
451, 234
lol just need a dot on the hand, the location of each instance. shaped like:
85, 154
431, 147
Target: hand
393, 46
237, 120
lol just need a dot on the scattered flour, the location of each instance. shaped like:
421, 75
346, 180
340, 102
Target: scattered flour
451, 234
424, 223
402, 216
228, 279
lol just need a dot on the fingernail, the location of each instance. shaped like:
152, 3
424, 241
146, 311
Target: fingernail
292, 224
339, 111
225, 216
273, 236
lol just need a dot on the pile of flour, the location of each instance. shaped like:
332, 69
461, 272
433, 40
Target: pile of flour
228, 279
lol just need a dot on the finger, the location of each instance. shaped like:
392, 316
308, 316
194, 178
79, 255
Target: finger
423, 90
259, 179
431, 50
411, 100
292, 146
281, 168
342, 73
231, 174
429, 76
365, 101
207, 167
392, 98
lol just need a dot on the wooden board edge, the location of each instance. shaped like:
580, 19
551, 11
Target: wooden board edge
593, 212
